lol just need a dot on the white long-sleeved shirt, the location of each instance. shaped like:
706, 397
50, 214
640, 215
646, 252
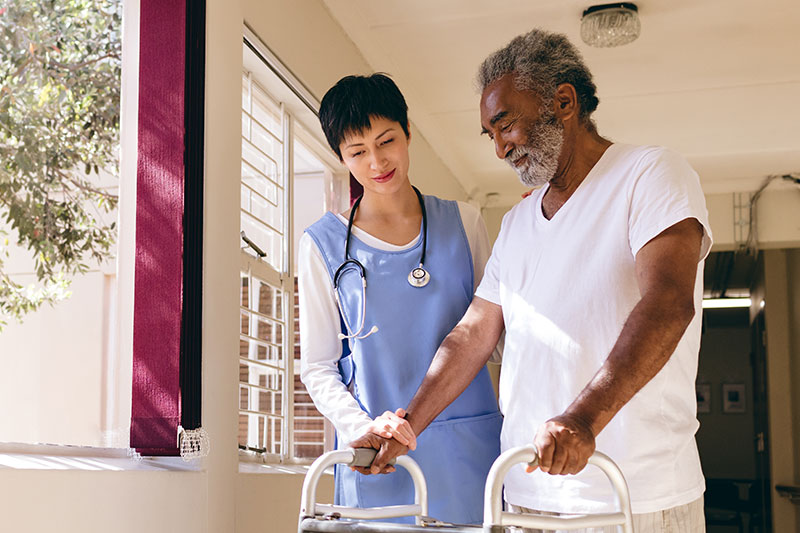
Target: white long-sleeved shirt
320, 349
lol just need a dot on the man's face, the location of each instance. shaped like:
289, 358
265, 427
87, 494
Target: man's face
524, 129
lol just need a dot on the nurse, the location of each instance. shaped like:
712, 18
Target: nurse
380, 286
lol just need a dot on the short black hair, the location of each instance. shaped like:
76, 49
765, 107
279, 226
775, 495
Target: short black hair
349, 105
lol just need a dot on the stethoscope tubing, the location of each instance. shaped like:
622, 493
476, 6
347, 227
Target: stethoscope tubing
419, 277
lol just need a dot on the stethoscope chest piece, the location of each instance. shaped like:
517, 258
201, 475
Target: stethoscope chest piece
419, 277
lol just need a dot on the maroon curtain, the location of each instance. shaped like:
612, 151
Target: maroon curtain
156, 410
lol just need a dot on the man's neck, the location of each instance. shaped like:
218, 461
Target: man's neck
581, 154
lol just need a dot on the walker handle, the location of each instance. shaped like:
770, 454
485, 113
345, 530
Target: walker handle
361, 457
494, 519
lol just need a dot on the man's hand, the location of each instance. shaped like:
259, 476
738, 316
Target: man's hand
394, 425
388, 449
565, 444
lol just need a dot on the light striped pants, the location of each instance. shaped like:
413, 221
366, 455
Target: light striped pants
687, 518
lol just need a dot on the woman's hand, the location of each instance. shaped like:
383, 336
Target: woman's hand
392, 425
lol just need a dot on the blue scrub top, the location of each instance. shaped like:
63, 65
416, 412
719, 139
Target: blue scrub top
456, 451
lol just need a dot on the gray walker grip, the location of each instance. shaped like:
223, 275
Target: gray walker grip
494, 518
361, 457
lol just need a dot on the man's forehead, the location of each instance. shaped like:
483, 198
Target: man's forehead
499, 90
503, 95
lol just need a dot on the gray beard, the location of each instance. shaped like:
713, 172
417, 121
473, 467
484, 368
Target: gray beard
542, 150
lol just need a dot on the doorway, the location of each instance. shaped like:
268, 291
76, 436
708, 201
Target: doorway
732, 402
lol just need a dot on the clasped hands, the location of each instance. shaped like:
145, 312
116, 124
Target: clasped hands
391, 435
565, 443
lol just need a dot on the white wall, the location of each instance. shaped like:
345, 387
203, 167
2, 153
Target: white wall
52, 382
775, 276
57, 360
100, 502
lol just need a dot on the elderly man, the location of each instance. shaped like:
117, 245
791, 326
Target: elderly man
597, 280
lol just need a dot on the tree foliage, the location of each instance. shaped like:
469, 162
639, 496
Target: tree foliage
60, 65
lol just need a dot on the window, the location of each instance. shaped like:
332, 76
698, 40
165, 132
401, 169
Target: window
287, 182
61, 123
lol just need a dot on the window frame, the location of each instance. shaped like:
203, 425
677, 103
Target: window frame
298, 111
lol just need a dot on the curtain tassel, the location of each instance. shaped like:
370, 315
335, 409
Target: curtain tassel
193, 443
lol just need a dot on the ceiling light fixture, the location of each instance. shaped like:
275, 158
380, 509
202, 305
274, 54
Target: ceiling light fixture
609, 25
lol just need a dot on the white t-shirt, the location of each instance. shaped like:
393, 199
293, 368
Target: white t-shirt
320, 349
566, 286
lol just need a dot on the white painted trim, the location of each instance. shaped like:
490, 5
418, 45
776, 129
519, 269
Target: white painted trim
17, 456
120, 415
281, 70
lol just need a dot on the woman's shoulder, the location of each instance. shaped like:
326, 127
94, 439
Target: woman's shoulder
464, 208
326, 223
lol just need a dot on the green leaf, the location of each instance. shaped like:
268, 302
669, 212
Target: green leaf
59, 114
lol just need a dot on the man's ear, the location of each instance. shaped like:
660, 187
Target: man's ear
565, 102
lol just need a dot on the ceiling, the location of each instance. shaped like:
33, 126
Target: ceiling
717, 80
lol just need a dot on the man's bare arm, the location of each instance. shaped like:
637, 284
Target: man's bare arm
458, 360
462, 354
666, 269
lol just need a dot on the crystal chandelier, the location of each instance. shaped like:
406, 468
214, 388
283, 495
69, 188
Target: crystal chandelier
610, 24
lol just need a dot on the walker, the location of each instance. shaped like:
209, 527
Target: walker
326, 518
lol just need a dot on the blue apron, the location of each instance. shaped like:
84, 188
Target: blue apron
458, 448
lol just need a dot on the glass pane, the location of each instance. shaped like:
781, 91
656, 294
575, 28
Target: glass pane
245, 125
243, 427
245, 290
262, 209
256, 181
275, 434
266, 111
255, 374
270, 300
267, 330
244, 397
266, 239
260, 351
260, 161
309, 425
244, 323
266, 143
245, 92
266, 402
252, 431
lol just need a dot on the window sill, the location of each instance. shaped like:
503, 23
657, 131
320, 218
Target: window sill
15, 456
253, 464
247, 467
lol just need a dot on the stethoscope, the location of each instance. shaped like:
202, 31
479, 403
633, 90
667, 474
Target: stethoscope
418, 277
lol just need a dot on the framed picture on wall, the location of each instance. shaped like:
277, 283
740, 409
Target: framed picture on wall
703, 391
733, 398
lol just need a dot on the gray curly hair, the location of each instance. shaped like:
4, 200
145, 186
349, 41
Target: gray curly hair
541, 61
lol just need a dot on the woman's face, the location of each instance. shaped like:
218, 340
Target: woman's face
378, 157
